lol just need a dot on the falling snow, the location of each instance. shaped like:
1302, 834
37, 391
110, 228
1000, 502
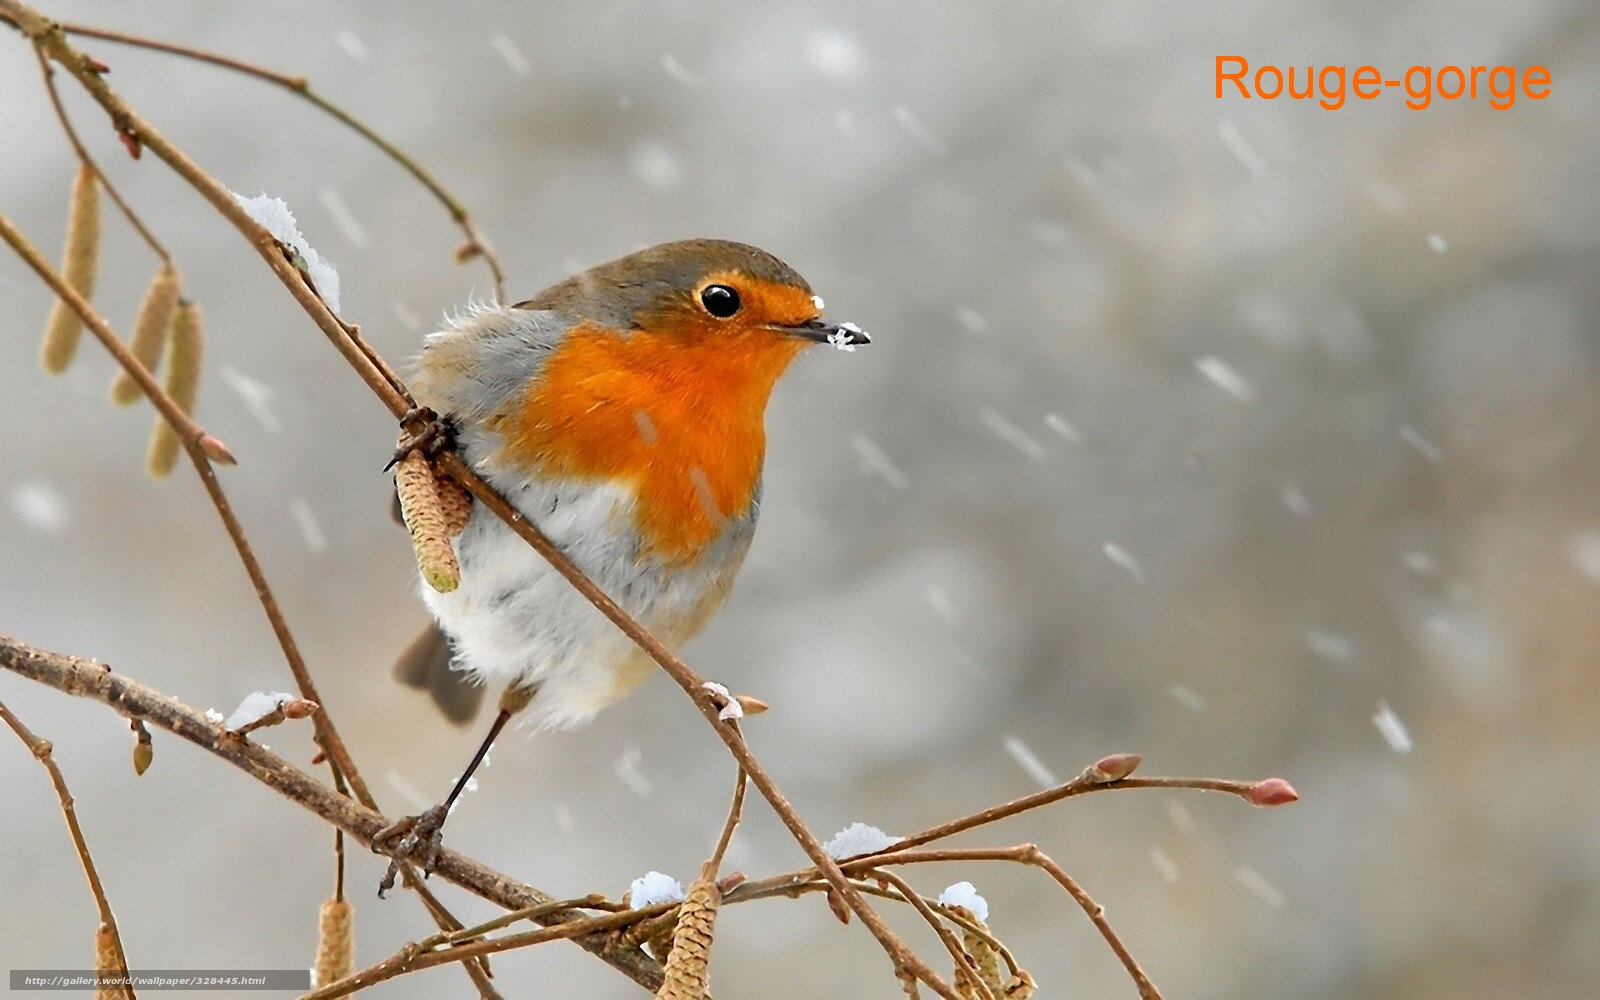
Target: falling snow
857, 838
1180, 817
627, 768
1241, 150
1392, 730
943, 606
1438, 244
1186, 697
352, 45
564, 817
1125, 559
835, 55
310, 530
1013, 435
1295, 499
655, 165
914, 127
1058, 423
971, 320
1225, 377
1030, 762
873, 461
1257, 884
1421, 563
406, 315
41, 507
411, 793
676, 70
257, 397
1413, 437
343, 217
510, 54
1330, 645
1164, 864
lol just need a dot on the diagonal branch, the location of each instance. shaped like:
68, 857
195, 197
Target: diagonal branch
89, 679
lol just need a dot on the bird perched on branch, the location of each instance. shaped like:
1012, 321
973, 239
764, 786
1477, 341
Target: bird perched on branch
621, 411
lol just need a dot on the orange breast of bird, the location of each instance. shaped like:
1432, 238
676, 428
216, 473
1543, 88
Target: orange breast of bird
678, 419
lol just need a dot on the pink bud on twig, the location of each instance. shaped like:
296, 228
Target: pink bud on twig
1114, 767
217, 451
1271, 792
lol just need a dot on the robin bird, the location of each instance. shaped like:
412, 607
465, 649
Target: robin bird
621, 411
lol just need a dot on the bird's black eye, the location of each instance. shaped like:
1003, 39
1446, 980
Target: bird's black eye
720, 300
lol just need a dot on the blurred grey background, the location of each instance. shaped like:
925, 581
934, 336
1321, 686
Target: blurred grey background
1251, 436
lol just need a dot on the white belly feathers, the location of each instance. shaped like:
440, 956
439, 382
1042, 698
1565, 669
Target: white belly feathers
515, 619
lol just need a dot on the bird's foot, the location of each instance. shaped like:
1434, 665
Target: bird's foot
416, 839
425, 431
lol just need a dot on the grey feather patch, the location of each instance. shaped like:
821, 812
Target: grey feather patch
485, 359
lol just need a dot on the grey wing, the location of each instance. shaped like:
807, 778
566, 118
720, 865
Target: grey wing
484, 359
425, 665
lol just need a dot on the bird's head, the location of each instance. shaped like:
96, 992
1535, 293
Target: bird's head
718, 296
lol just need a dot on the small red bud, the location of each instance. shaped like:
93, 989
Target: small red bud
1271, 792
730, 882
217, 451
96, 65
467, 251
319, 758
1114, 767
131, 143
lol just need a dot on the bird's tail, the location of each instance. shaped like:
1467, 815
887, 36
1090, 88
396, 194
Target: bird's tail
425, 665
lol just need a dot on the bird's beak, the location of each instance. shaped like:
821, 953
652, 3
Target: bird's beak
844, 336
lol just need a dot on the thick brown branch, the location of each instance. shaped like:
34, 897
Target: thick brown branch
88, 679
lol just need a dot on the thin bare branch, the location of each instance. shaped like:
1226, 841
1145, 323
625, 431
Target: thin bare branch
476, 244
412, 958
958, 954
735, 811
42, 751
78, 147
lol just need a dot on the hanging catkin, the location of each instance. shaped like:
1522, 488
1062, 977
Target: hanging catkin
428, 520
688, 971
78, 264
185, 345
336, 953
150, 329
106, 965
